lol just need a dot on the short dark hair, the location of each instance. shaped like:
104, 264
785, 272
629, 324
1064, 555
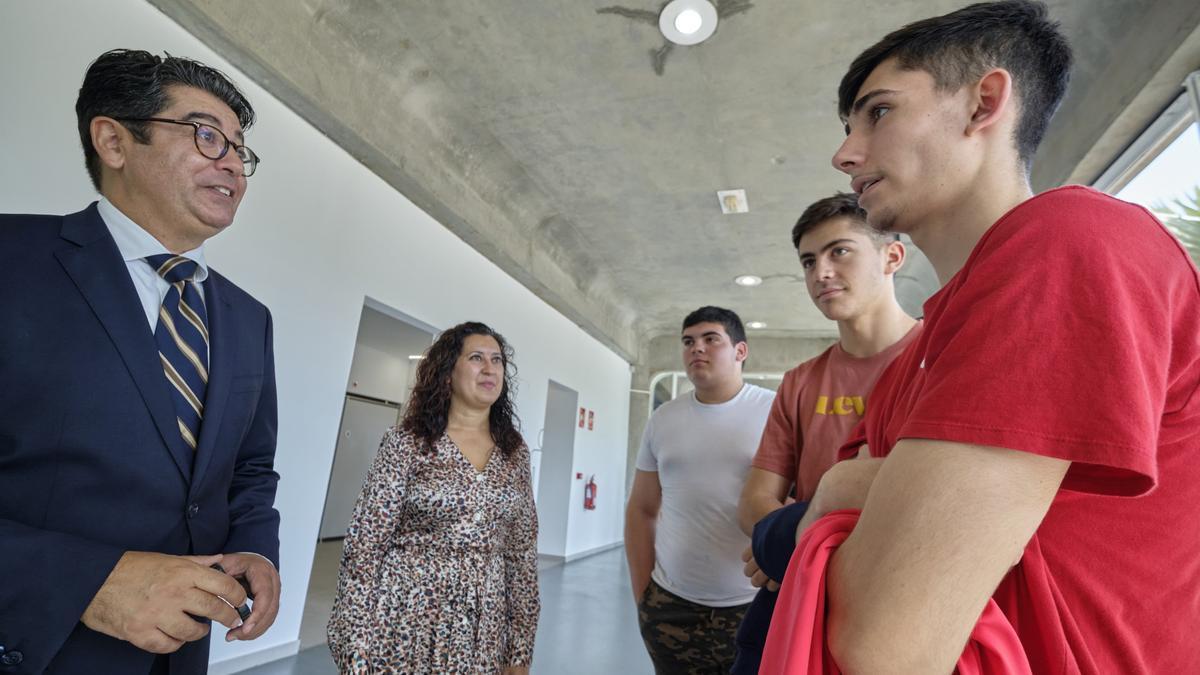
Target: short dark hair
428, 409
133, 83
840, 205
726, 317
956, 48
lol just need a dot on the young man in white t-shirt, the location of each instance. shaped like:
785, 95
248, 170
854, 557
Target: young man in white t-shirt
681, 530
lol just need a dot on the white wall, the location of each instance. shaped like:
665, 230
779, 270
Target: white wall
316, 234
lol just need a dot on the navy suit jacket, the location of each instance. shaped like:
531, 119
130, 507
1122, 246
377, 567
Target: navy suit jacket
91, 460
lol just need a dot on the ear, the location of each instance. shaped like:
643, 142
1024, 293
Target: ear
740, 351
110, 140
991, 100
894, 255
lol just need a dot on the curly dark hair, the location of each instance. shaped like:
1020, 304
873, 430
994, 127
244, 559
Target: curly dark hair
429, 406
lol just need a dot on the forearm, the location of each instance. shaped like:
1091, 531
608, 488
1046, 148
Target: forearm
941, 527
253, 519
524, 606
367, 539
639, 548
52, 578
755, 506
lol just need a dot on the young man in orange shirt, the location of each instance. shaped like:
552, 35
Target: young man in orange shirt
849, 270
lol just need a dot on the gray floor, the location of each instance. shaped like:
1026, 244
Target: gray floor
588, 623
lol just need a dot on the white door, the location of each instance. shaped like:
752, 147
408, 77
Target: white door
364, 422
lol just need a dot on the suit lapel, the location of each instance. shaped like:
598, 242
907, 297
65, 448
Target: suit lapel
222, 350
102, 278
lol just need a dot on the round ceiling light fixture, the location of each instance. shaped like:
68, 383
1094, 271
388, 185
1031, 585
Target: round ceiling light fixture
747, 280
688, 22
755, 325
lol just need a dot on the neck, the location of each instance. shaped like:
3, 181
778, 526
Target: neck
948, 238
134, 208
720, 392
872, 332
465, 418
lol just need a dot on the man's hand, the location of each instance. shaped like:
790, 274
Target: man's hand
758, 578
262, 578
148, 597
844, 486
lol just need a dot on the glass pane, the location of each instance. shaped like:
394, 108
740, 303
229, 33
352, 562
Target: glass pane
1170, 187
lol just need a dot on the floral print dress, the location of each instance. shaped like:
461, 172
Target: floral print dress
439, 566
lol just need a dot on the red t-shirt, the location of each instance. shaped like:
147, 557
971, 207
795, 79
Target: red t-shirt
818, 403
1073, 331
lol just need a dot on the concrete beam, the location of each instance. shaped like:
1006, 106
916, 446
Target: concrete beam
407, 127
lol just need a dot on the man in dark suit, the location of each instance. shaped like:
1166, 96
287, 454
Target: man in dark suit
137, 393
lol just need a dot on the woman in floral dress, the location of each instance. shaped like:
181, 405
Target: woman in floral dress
439, 566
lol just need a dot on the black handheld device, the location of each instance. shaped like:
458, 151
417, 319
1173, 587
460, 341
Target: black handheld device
243, 609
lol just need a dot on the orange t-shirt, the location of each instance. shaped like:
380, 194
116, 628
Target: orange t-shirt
818, 403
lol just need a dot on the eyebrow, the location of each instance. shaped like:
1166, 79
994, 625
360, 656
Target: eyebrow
826, 247
207, 118
866, 98
705, 334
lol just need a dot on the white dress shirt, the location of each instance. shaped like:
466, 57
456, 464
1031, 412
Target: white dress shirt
135, 244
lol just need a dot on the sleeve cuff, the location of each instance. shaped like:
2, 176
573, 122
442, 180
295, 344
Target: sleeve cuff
774, 539
256, 554
520, 653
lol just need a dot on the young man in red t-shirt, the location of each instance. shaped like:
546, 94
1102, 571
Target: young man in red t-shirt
1042, 434
849, 270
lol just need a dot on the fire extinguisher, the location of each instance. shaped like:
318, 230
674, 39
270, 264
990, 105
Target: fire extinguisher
589, 493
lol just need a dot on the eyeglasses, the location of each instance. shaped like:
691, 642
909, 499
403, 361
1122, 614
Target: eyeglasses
210, 142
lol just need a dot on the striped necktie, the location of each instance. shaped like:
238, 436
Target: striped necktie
182, 337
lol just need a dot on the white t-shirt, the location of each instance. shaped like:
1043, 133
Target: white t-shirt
702, 453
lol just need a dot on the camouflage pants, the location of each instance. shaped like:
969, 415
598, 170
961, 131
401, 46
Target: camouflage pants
685, 638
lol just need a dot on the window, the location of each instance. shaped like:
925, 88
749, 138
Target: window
1170, 187
672, 384
1161, 169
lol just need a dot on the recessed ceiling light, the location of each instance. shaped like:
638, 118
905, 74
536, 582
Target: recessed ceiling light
747, 280
755, 324
415, 357
688, 22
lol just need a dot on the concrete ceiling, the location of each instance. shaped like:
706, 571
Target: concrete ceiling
567, 144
